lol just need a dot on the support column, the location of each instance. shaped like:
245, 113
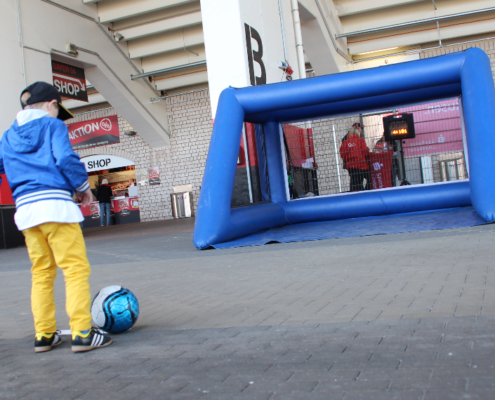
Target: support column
276, 163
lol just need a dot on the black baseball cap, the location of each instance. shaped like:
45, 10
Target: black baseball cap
41, 92
357, 125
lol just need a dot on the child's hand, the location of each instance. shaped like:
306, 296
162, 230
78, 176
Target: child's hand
85, 198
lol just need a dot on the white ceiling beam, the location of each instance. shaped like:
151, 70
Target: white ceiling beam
350, 7
180, 80
164, 25
410, 24
174, 58
94, 98
113, 10
90, 1
409, 13
166, 41
155, 16
402, 37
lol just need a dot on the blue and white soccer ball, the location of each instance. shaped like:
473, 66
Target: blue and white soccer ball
115, 309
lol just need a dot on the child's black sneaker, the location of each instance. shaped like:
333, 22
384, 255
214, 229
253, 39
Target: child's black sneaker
89, 340
45, 341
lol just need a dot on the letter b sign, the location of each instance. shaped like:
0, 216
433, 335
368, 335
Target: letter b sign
255, 56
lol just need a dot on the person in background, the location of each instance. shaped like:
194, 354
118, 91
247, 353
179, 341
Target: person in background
132, 182
382, 145
354, 152
104, 194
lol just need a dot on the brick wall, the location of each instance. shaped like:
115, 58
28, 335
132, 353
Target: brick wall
180, 164
192, 125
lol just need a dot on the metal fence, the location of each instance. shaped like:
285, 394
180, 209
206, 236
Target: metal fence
324, 159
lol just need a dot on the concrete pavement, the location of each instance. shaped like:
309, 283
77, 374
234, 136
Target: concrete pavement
406, 316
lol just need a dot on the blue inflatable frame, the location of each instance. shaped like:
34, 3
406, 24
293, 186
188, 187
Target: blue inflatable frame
466, 74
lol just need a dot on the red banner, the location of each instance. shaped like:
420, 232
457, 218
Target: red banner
438, 129
381, 169
96, 132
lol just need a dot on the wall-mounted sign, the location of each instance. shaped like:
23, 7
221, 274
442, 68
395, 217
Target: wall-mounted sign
94, 209
124, 207
142, 178
134, 204
69, 81
100, 162
154, 176
96, 132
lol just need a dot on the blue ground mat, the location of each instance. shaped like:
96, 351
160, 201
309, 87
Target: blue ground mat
383, 225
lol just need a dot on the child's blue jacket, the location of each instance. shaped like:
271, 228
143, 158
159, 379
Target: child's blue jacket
39, 162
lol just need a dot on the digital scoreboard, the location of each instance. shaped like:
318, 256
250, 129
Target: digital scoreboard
398, 127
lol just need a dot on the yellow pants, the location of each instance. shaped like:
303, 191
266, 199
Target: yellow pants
53, 244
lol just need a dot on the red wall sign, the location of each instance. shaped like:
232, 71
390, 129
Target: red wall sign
96, 132
69, 81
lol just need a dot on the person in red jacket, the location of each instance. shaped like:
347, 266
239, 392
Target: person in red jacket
354, 152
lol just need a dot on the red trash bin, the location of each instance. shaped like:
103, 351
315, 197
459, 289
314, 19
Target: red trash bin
380, 166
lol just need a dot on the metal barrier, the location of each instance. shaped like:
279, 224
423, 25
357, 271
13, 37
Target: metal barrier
323, 158
181, 204
451, 170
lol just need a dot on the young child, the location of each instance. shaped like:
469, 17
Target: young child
43, 173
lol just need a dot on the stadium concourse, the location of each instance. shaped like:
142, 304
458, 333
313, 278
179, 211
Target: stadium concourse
400, 316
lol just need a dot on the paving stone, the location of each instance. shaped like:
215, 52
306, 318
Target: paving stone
62, 394
12, 394
456, 395
382, 395
238, 396
125, 394
355, 385
308, 396
281, 387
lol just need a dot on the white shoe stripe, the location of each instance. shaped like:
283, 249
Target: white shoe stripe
98, 339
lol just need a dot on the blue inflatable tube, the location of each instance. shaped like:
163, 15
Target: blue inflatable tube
352, 107
213, 212
478, 101
366, 83
382, 202
467, 74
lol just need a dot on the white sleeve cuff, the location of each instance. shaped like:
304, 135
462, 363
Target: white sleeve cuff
83, 187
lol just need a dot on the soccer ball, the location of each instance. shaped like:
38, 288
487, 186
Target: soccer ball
115, 309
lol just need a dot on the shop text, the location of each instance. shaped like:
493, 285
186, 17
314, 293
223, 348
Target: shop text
99, 163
